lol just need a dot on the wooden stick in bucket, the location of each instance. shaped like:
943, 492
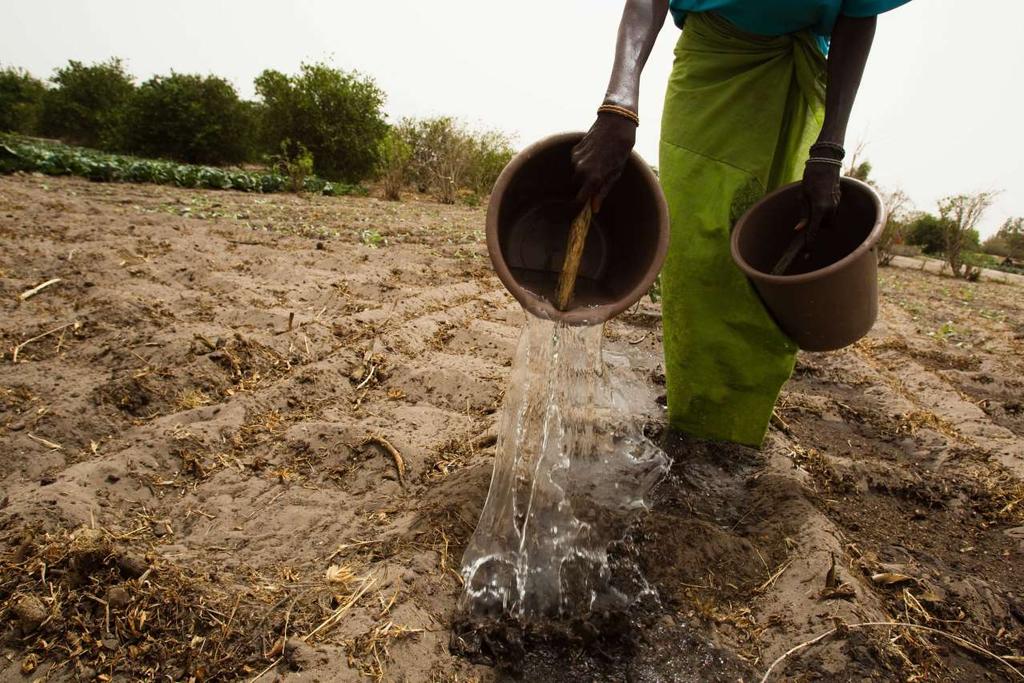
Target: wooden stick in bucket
573, 254
796, 245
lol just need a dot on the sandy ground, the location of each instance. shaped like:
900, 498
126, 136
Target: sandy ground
238, 440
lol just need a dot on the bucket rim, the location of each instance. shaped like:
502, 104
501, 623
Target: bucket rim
867, 245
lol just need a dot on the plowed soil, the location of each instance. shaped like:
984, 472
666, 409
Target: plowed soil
250, 435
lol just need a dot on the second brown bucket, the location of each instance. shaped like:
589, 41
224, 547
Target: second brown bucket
829, 299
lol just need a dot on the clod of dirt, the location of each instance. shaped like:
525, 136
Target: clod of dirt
161, 527
299, 655
117, 597
30, 612
130, 395
88, 550
131, 566
487, 643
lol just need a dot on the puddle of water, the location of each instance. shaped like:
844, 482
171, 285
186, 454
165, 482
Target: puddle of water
572, 470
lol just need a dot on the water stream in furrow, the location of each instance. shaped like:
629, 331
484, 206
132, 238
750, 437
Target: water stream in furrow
572, 470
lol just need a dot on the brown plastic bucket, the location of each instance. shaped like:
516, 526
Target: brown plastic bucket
828, 299
531, 210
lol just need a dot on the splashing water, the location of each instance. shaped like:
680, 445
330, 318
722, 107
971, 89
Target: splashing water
571, 472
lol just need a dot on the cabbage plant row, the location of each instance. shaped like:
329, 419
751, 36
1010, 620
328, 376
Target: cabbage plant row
53, 158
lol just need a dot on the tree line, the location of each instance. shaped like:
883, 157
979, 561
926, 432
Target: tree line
321, 120
949, 232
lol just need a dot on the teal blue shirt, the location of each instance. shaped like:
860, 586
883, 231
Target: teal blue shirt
782, 17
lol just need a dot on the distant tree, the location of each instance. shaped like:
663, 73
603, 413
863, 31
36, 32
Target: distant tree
960, 215
88, 103
897, 204
490, 154
21, 99
447, 152
1008, 241
337, 115
447, 158
859, 167
861, 171
191, 118
393, 168
927, 231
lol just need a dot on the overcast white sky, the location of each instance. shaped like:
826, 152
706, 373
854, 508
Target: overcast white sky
938, 108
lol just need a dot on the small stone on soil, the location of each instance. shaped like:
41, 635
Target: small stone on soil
132, 566
117, 597
30, 612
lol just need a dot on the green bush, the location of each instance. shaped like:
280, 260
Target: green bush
490, 154
21, 99
18, 154
190, 118
928, 232
1008, 242
393, 164
449, 160
894, 233
88, 103
294, 162
337, 115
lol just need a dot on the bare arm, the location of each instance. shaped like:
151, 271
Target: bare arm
851, 43
603, 152
641, 22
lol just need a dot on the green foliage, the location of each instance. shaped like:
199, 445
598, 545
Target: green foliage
945, 331
655, 291
17, 154
997, 246
894, 233
960, 214
188, 117
1008, 242
372, 239
490, 152
21, 100
927, 231
393, 168
972, 239
973, 262
337, 115
449, 160
861, 171
295, 163
88, 103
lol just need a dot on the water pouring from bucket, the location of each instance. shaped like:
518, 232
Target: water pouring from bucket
573, 465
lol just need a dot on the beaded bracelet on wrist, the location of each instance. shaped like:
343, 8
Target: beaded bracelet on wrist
832, 148
621, 111
825, 160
